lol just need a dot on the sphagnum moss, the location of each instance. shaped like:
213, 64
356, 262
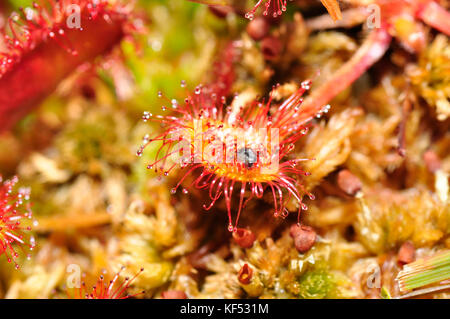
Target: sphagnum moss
378, 160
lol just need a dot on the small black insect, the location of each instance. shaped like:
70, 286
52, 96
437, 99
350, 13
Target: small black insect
247, 156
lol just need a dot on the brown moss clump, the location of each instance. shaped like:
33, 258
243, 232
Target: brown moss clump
431, 76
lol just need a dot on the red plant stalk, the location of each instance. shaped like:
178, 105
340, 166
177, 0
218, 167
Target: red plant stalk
374, 47
15, 221
333, 9
429, 11
106, 290
43, 50
435, 16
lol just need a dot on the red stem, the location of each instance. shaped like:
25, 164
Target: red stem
436, 16
373, 48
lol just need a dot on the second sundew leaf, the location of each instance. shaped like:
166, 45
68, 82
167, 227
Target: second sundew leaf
52, 51
425, 271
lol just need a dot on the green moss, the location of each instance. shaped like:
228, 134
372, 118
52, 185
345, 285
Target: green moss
317, 284
20, 3
98, 137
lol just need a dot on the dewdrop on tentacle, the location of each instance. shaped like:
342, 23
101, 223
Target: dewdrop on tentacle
273, 8
16, 220
232, 149
114, 289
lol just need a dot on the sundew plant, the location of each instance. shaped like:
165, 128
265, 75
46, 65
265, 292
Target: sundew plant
224, 149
